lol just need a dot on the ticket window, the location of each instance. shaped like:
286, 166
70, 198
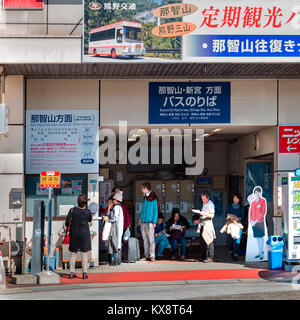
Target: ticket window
63, 198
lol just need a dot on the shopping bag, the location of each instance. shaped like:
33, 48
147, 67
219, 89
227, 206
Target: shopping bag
106, 231
126, 235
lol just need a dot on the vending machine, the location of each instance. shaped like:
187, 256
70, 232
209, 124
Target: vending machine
290, 184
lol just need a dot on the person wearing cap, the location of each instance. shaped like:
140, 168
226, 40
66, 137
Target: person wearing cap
115, 216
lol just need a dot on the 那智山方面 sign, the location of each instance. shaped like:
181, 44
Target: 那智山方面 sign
189, 102
64, 140
191, 31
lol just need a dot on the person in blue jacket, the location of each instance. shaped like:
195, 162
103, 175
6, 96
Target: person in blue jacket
237, 209
148, 220
161, 239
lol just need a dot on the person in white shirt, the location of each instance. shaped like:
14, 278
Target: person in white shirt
206, 229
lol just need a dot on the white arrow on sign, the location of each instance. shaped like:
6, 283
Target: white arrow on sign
289, 148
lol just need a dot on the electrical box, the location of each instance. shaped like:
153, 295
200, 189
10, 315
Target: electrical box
16, 198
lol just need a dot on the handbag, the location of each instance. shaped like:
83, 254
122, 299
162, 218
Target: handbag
67, 235
106, 231
126, 234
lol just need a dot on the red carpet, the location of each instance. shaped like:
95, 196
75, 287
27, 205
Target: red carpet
116, 277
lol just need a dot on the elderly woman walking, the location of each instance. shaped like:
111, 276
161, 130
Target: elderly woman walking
80, 238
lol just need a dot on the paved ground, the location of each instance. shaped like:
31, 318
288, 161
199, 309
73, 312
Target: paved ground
176, 290
167, 265
187, 280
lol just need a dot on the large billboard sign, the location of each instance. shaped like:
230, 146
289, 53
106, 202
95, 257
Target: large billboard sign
191, 31
64, 140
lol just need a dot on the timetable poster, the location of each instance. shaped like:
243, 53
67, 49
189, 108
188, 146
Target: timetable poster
62, 140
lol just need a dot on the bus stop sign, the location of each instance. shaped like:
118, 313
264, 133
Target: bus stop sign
50, 179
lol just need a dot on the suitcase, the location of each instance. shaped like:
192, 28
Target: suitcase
133, 254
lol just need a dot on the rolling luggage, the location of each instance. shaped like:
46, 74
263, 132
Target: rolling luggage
133, 250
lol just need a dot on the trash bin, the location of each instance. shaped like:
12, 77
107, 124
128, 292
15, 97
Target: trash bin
275, 246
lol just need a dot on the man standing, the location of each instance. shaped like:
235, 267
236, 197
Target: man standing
206, 229
148, 220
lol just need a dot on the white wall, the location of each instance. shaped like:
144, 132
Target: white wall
14, 99
253, 102
267, 144
62, 94
40, 50
289, 102
11, 151
289, 113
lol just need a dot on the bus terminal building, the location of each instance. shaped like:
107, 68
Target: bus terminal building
56, 89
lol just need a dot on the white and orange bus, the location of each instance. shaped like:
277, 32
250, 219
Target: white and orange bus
123, 38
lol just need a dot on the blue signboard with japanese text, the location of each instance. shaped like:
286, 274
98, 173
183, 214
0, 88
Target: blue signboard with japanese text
189, 102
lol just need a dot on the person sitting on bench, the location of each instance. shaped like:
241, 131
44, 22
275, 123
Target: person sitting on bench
176, 228
161, 238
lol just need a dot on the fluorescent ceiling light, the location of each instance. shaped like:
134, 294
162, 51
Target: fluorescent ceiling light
218, 130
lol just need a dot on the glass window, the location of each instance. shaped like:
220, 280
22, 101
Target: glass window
34, 192
63, 198
132, 33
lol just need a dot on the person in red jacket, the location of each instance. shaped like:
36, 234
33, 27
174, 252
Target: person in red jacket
258, 210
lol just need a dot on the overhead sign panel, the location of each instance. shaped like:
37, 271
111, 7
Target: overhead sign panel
191, 31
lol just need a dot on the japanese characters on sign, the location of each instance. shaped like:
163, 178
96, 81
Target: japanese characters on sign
193, 30
189, 102
289, 139
50, 179
259, 29
62, 139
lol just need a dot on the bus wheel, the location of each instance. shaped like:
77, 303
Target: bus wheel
113, 54
95, 53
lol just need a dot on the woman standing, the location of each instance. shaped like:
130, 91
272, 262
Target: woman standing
80, 237
115, 216
258, 211
237, 209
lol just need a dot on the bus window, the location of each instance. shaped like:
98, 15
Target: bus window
132, 33
119, 35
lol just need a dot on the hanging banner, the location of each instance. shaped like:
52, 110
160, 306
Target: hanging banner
64, 140
189, 102
191, 31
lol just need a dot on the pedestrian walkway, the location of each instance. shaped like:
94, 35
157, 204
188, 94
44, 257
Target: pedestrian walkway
172, 271
166, 271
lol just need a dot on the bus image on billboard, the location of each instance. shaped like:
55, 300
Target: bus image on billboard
119, 39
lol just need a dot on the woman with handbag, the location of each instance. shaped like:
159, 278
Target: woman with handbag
77, 223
